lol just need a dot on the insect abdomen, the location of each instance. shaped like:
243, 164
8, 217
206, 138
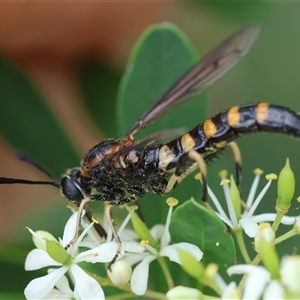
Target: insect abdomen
251, 118
214, 134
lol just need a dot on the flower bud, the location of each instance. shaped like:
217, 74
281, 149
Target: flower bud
235, 196
270, 258
264, 234
182, 292
141, 229
191, 265
45, 235
290, 275
57, 252
297, 225
285, 187
120, 272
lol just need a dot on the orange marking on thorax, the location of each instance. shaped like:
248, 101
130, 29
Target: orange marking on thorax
209, 128
233, 116
262, 112
87, 165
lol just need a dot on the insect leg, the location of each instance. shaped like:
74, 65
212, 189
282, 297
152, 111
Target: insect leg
238, 163
108, 208
201, 164
81, 207
99, 229
177, 178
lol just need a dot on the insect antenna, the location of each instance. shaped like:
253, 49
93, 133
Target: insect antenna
25, 158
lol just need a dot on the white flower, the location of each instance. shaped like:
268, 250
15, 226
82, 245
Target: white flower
265, 233
62, 289
290, 274
257, 279
260, 285
247, 220
274, 291
127, 236
231, 291
86, 287
160, 233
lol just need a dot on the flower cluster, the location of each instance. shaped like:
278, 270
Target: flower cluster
51, 252
277, 278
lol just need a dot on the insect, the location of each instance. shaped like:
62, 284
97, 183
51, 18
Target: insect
122, 170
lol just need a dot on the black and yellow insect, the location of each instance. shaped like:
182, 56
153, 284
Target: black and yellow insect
122, 170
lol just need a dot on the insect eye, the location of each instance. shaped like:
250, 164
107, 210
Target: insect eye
71, 190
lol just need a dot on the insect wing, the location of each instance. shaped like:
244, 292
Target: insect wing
201, 76
158, 136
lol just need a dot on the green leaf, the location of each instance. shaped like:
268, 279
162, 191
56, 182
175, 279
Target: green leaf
13, 254
193, 223
160, 57
13, 296
28, 123
99, 87
13, 276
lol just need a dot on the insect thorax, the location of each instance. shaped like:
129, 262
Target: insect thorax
123, 178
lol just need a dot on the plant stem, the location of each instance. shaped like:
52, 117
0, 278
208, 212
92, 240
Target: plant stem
166, 272
240, 240
285, 236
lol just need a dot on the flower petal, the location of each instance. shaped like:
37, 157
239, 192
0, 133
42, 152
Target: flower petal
270, 217
134, 258
157, 231
37, 259
172, 251
62, 284
128, 235
253, 190
40, 287
132, 247
256, 281
79, 240
70, 229
103, 253
274, 291
86, 287
259, 198
249, 225
57, 294
225, 219
231, 291
139, 278
266, 217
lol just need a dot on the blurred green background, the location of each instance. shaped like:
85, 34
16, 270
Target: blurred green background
269, 72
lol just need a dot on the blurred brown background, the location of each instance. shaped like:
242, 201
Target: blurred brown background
49, 41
